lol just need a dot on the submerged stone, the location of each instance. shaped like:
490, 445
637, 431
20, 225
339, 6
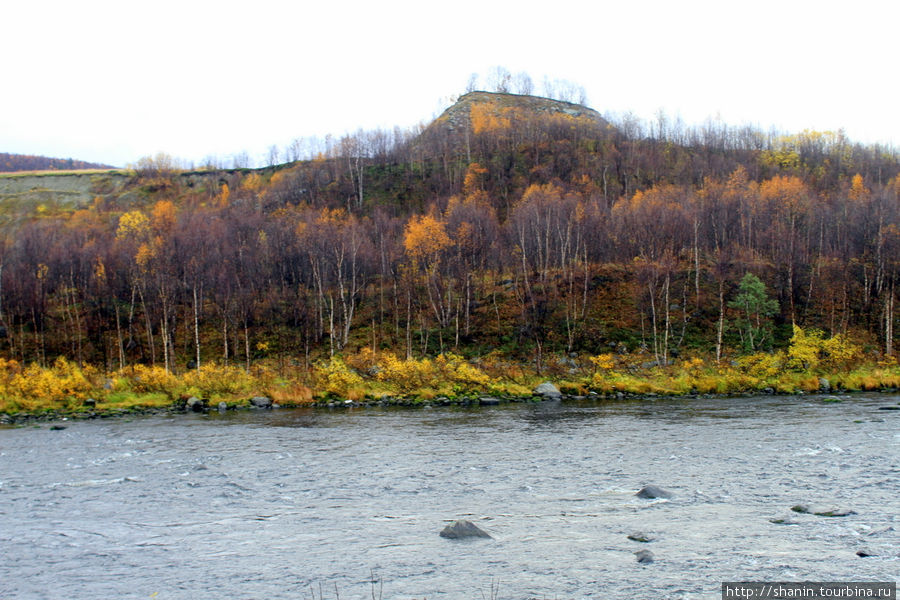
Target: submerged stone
835, 512
804, 509
644, 556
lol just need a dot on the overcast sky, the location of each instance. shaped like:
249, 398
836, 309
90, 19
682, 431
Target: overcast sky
112, 81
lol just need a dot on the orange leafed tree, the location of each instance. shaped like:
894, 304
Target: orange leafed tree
425, 237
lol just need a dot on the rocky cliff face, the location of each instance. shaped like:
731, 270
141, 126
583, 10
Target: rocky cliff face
68, 190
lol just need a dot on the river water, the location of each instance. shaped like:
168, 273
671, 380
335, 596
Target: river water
319, 504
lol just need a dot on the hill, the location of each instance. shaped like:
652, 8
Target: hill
496, 104
10, 163
516, 118
512, 225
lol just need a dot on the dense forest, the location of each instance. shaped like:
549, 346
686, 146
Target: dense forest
25, 162
511, 224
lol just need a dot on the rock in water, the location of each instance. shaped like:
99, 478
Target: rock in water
57, 427
835, 512
641, 537
260, 402
194, 404
548, 391
463, 529
652, 492
644, 556
223, 407
805, 509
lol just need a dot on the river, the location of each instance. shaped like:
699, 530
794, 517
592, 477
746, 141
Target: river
311, 504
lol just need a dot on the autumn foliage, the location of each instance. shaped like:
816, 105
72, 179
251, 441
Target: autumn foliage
533, 234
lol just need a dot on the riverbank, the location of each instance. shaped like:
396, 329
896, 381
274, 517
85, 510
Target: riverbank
366, 378
194, 405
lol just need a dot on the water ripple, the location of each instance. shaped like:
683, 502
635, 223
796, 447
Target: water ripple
285, 503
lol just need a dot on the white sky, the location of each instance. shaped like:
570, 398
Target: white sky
111, 81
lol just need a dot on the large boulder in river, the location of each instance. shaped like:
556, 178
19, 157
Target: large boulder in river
652, 492
548, 391
463, 529
260, 402
194, 404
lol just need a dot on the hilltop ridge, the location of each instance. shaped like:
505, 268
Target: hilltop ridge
459, 114
12, 163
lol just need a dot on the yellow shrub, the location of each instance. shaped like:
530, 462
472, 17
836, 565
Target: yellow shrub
508, 388
446, 369
144, 378
693, 365
761, 364
336, 378
809, 351
455, 369
363, 361
215, 379
841, 352
406, 375
803, 353
604, 362
36, 387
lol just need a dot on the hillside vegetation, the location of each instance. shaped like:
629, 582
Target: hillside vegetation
26, 162
529, 235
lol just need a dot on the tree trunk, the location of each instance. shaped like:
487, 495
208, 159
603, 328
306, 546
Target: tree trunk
653, 322
721, 326
247, 345
119, 342
196, 328
665, 351
889, 322
149, 326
